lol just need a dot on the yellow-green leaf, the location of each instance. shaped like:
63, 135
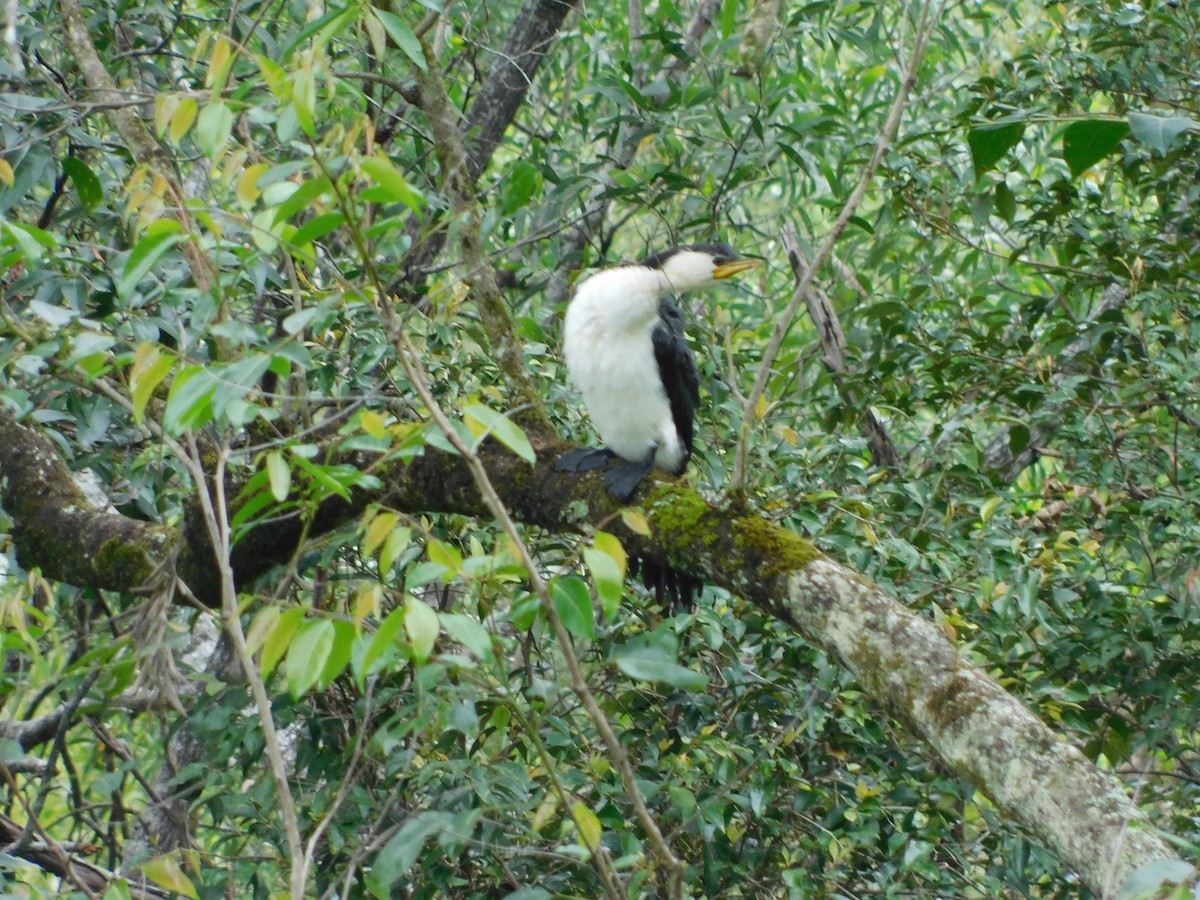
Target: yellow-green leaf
280, 639
279, 474
164, 108
248, 190
590, 831
264, 622
182, 119
421, 623
367, 602
608, 543
166, 872
635, 521
380, 170
445, 555
381, 526
304, 94
397, 542
150, 367
218, 66
484, 421
373, 424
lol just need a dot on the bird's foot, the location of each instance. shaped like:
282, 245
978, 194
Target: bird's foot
583, 459
622, 479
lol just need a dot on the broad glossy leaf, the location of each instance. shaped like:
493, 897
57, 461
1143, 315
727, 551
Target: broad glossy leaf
86, 183
573, 603
646, 662
280, 639
159, 238
421, 623
1086, 143
484, 421
166, 872
989, 143
403, 36
1160, 133
308, 654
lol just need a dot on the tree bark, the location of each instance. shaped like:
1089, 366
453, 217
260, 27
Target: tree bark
967, 720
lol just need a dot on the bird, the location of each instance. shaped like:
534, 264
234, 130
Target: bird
624, 344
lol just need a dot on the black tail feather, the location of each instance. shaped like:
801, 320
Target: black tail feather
667, 583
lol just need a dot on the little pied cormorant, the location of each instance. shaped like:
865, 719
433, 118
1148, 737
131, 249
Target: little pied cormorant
625, 350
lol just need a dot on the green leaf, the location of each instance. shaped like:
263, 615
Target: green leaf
468, 632
608, 577
1006, 203
87, 185
315, 230
213, 129
422, 625
590, 831
384, 638
1160, 133
989, 143
308, 654
280, 475
304, 94
402, 35
150, 367
1086, 143
647, 662
520, 183
165, 871
189, 404
344, 635
392, 181
160, 237
280, 639
29, 239
483, 421
398, 854
573, 603
261, 626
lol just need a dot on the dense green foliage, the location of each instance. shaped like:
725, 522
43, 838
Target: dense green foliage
1050, 153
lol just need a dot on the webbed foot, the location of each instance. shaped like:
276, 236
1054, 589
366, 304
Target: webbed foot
583, 459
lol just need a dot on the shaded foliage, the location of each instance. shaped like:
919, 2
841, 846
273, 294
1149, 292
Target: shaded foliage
1051, 154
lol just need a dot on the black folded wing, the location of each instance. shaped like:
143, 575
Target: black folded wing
677, 369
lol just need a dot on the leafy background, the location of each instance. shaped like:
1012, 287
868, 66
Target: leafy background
1047, 163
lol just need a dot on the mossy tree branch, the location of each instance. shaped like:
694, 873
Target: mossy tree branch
903, 660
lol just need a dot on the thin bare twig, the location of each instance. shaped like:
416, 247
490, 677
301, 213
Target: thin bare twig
833, 344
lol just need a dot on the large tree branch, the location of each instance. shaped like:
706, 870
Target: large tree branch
54, 859
55, 527
492, 112
903, 660
510, 78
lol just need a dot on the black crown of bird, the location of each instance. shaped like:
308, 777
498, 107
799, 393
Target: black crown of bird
624, 344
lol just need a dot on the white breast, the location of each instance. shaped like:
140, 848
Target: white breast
610, 356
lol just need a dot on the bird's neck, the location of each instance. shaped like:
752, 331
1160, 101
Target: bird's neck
628, 296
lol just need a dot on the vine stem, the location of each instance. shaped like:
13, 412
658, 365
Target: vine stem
887, 134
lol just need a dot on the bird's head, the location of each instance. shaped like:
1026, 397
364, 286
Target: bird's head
694, 266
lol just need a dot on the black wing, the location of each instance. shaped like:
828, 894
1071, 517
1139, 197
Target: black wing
677, 369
